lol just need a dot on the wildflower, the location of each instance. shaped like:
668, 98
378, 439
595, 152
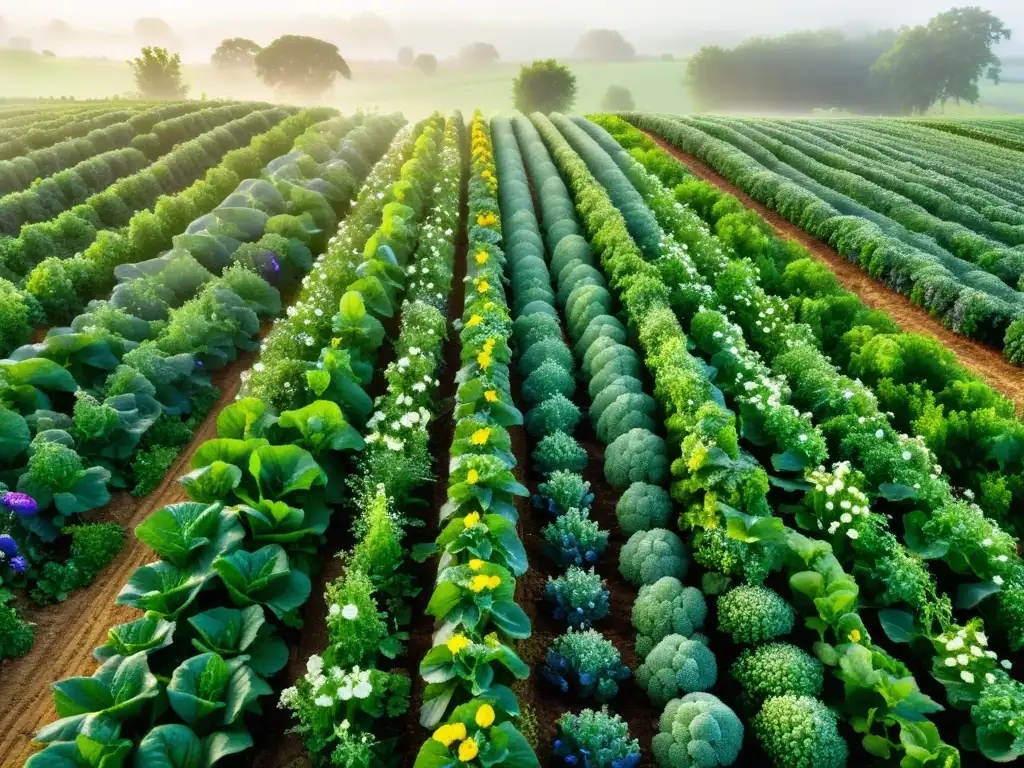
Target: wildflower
458, 643
955, 644
481, 258
474, 320
350, 612
484, 360
485, 716
855, 636
323, 700
483, 286
479, 583
1005, 664
966, 676
962, 659
990, 678
480, 437
950, 661
334, 610
472, 477
476, 564
852, 533
468, 750
20, 503
8, 546
471, 519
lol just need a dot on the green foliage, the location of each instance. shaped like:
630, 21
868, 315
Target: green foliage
596, 739
573, 538
544, 86
586, 664
579, 596
547, 380
637, 456
776, 669
559, 451
555, 414
426, 63
666, 608
677, 666
235, 54
566, 490
697, 731
799, 730
16, 635
651, 555
642, 507
149, 468
93, 547
753, 614
618, 98
302, 64
157, 74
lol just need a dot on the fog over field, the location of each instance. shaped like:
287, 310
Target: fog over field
527, 29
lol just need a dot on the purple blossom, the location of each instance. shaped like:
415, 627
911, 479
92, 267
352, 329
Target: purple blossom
20, 503
8, 546
19, 564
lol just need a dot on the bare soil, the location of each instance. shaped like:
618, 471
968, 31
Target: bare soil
986, 363
67, 632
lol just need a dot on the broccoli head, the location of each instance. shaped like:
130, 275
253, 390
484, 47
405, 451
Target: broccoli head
675, 667
799, 732
643, 506
697, 731
652, 555
548, 379
754, 614
777, 669
639, 456
665, 608
556, 414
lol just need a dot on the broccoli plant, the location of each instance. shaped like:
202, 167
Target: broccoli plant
563, 491
753, 614
574, 539
665, 608
697, 731
636, 456
559, 451
642, 507
799, 730
596, 739
651, 555
586, 664
675, 667
579, 596
776, 669
556, 414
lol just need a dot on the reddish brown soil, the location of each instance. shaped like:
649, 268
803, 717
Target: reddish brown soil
67, 632
985, 362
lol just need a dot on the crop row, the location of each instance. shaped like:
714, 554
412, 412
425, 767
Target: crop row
980, 131
239, 555
969, 301
872, 553
116, 395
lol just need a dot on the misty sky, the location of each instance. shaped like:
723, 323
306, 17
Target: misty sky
635, 15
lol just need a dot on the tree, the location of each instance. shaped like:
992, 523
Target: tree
153, 31
943, 60
158, 74
426, 63
618, 99
544, 86
479, 55
605, 44
405, 56
235, 54
302, 64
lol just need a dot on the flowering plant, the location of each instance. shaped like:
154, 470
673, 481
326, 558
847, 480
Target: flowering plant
586, 664
482, 537
464, 668
579, 596
479, 437
596, 740
482, 484
476, 595
483, 398
965, 664
477, 735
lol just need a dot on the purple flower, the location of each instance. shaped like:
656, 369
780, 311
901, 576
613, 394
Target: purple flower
8, 546
273, 262
20, 503
19, 564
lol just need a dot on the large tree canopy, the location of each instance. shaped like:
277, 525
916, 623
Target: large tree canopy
158, 74
478, 55
302, 64
235, 53
605, 44
544, 86
943, 60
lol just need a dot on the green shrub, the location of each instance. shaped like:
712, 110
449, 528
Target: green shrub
776, 669
637, 456
754, 614
559, 451
799, 730
93, 547
642, 507
666, 608
556, 414
697, 731
652, 555
677, 666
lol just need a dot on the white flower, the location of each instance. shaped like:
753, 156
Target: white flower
1005, 664
350, 612
966, 676
323, 700
803, 438
258, 367
950, 661
981, 639
1002, 558
955, 644
846, 517
419, 386
852, 533
879, 434
335, 609
314, 666
976, 651
998, 580
906, 455
288, 697
990, 678
962, 659
986, 542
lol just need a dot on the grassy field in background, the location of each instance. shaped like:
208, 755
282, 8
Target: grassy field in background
656, 85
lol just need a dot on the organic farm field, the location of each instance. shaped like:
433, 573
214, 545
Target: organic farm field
508, 440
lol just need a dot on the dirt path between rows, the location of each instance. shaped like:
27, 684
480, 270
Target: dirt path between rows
986, 363
67, 632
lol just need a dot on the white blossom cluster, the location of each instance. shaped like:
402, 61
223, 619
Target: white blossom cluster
966, 651
844, 505
335, 686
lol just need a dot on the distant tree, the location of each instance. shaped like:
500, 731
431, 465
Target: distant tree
302, 64
544, 86
235, 54
153, 31
405, 56
943, 60
426, 63
48, 54
158, 74
605, 44
479, 55
618, 99
58, 29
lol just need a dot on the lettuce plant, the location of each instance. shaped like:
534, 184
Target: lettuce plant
264, 577
232, 632
476, 595
178, 745
477, 734
482, 538
146, 635
209, 693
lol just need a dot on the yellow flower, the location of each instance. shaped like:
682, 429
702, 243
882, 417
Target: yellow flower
483, 286
855, 636
472, 477
485, 716
481, 258
476, 564
489, 305
491, 396
481, 436
459, 729
484, 360
474, 320
468, 750
458, 643
335, 343
472, 518
480, 582
493, 582
447, 734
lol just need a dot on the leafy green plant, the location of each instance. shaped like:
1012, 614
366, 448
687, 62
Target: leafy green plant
477, 734
475, 596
